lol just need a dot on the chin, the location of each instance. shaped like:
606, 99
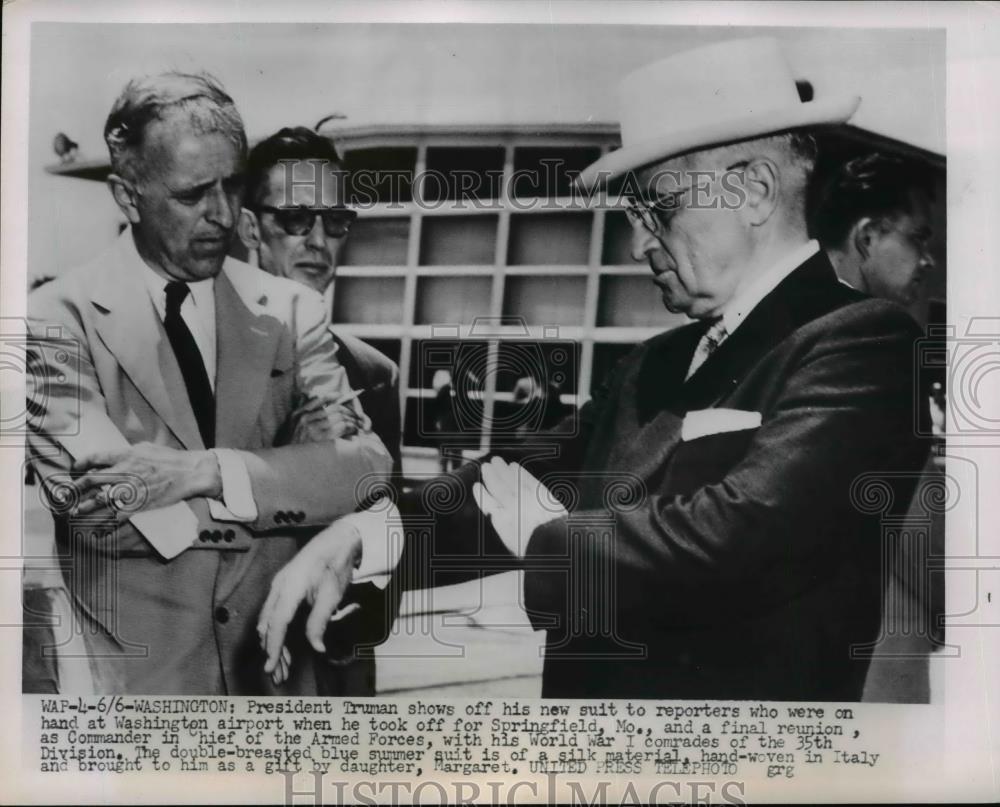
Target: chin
206, 268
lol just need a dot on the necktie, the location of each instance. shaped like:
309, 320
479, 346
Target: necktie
192, 366
707, 345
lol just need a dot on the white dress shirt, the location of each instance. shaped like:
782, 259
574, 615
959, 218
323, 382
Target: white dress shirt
198, 312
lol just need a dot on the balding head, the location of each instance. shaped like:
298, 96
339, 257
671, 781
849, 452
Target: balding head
198, 97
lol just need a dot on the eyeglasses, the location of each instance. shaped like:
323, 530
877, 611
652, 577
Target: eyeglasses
652, 214
648, 213
300, 220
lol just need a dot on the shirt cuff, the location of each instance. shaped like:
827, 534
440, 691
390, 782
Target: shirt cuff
237, 495
381, 544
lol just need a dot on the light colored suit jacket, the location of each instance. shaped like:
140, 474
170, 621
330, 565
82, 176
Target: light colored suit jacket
103, 373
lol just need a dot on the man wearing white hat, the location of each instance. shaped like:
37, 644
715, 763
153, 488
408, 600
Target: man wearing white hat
742, 561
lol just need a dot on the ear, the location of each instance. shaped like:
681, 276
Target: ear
863, 235
248, 228
125, 196
762, 182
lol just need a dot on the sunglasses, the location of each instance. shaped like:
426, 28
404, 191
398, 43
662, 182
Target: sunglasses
300, 220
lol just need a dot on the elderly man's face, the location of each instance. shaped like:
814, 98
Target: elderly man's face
312, 257
694, 242
188, 198
899, 255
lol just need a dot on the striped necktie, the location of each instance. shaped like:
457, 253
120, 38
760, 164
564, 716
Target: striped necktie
707, 345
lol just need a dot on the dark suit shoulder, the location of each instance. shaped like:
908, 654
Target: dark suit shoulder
864, 316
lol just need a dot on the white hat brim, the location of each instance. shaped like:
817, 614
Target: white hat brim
828, 111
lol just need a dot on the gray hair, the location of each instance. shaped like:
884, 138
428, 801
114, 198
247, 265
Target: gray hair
150, 98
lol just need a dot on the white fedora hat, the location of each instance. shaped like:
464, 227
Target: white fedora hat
708, 96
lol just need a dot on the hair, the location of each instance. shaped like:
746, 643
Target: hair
151, 98
795, 153
874, 186
291, 143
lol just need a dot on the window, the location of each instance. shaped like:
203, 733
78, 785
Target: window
477, 260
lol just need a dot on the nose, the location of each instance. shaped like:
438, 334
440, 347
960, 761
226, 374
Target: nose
642, 241
927, 260
221, 210
316, 237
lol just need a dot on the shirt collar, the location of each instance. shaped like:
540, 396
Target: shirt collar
737, 309
202, 291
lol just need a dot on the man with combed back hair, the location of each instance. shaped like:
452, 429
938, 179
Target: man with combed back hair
296, 221
160, 438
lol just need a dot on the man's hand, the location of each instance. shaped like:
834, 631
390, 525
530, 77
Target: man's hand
516, 502
320, 419
160, 475
319, 575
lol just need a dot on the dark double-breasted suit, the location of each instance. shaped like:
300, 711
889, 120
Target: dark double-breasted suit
732, 560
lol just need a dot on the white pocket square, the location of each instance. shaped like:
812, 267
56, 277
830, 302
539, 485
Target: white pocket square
703, 422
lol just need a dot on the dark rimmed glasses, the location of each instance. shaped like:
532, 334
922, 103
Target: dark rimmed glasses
300, 220
651, 213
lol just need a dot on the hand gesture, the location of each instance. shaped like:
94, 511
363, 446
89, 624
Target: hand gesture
150, 475
515, 501
319, 575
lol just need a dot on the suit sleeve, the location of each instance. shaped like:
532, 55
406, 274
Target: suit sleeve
68, 417
448, 538
311, 484
844, 410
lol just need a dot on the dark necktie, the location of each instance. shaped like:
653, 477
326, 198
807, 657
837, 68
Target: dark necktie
192, 366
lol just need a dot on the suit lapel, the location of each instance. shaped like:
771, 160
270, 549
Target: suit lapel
130, 328
808, 292
246, 342
661, 377
663, 397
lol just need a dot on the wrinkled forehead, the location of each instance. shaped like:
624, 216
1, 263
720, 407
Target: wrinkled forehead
305, 183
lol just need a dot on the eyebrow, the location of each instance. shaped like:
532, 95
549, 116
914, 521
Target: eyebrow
189, 191
204, 186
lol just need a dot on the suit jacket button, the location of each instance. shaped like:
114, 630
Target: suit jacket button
203, 536
216, 536
228, 536
222, 615
279, 517
300, 516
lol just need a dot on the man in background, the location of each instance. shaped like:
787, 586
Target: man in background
296, 223
873, 220
165, 374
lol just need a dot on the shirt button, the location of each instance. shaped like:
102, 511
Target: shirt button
222, 615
